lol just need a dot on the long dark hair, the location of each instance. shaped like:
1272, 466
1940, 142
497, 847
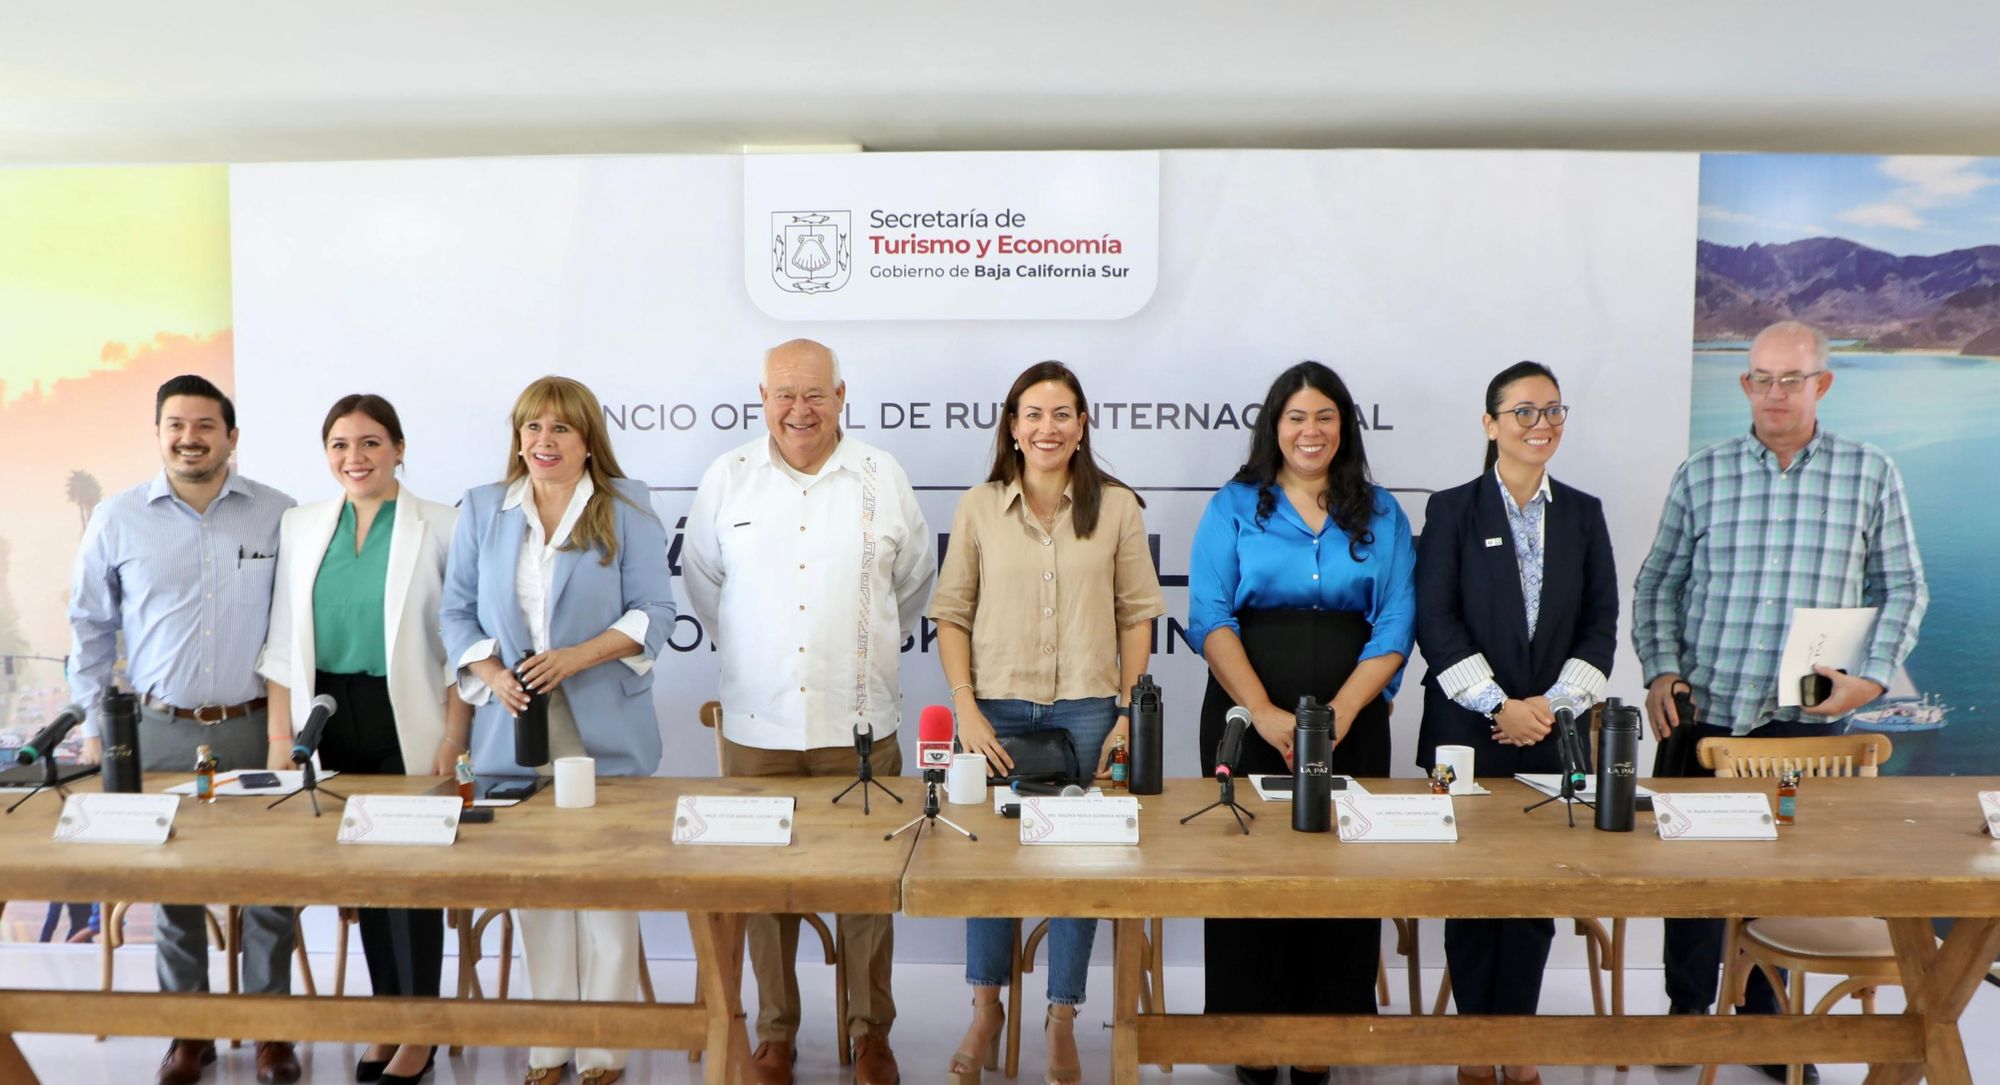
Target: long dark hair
1086, 480
1497, 388
1349, 496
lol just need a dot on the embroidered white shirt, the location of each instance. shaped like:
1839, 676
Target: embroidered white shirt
808, 585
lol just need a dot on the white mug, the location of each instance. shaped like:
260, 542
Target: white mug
965, 780
576, 782
1460, 760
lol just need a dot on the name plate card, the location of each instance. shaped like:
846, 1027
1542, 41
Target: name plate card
1989, 802
1727, 816
1092, 819
407, 820
117, 819
764, 821
1398, 819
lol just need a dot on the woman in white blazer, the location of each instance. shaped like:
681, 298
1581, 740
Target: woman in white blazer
354, 615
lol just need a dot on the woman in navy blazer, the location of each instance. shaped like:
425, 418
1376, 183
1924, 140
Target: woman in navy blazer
1517, 605
558, 582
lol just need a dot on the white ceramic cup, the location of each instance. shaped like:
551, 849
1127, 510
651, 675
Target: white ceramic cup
576, 782
965, 780
1460, 760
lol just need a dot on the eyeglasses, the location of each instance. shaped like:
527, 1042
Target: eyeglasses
1762, 383
1528, 416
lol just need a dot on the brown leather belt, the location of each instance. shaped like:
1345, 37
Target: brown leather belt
207, 714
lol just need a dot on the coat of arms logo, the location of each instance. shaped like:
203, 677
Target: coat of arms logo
810, 250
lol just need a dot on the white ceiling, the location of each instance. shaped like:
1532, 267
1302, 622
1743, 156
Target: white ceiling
208, 80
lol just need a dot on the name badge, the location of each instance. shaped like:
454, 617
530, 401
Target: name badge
1105, 819
1730, 816
407, 820
1989, 801
1491, 543
117, 819
755, 820
1401, 819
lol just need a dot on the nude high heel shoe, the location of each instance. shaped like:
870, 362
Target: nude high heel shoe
1059, 1034
981, 1046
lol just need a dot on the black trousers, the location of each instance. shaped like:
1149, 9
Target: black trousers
404, 946
1693, 949
1299, 966
1497, 964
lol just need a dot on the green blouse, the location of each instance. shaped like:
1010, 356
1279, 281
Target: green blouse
347, 597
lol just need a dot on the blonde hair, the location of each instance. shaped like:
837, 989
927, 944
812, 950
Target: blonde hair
575, 406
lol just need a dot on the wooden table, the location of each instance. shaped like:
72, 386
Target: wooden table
616, 855
1906, 849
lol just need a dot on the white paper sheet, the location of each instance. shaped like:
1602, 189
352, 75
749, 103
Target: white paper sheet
1835, 637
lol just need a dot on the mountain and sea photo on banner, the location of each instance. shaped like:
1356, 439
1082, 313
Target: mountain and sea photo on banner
1897, 259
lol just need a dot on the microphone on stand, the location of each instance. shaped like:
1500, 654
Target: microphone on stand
1575, 765
934, 742
44, 743
1227, 751
307, 744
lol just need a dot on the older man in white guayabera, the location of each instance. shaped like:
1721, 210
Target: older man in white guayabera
808, 561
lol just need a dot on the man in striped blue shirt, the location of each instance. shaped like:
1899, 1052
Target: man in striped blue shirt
1785, 516
182, 566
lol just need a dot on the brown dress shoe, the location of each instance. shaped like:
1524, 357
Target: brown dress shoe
277, 1063
184, 1061
771, 1063
874, 1063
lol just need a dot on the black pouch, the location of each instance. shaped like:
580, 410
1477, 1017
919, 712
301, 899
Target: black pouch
1047, 756
1676, 756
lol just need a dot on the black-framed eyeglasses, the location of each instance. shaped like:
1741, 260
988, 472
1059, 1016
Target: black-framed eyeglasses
1789, 383
1528, 416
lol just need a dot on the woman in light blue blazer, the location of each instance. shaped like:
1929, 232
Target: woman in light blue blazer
558, 583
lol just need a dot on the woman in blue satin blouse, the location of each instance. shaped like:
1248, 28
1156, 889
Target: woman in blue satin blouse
1301, 583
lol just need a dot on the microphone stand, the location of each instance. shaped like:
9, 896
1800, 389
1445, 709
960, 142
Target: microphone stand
864, 775
1226, 800
1570, 745
930, 815
50, 781
310, 786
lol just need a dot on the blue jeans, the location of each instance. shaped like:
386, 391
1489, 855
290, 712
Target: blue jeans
989, 943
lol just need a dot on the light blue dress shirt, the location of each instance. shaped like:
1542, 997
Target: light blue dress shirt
191, 592
1239, 563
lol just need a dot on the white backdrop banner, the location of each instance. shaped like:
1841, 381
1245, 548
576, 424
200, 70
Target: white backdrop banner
448, 285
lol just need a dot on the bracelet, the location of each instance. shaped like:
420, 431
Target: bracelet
956, 688
463, 748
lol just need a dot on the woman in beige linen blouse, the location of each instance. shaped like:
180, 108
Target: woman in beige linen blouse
1044, 608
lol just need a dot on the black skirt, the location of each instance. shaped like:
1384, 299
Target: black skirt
1303, 966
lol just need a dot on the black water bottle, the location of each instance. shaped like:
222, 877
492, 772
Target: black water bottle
1312, 767
121, 743
1617, 766
1148, 734
531, 729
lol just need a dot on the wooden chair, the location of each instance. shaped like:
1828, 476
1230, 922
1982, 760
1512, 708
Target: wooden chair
711, 718
226, 933
1857, 950
1152, 985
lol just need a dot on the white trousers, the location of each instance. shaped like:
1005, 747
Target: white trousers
578, 956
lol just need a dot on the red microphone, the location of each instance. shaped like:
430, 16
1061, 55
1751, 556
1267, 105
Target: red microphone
934, 734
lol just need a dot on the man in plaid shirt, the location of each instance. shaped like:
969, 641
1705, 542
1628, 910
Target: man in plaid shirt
1787, 515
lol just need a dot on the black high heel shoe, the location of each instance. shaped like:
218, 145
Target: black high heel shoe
367, 1070
400, 1079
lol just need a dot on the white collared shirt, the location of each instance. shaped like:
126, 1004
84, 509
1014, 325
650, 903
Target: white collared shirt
808, 585
534, 575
